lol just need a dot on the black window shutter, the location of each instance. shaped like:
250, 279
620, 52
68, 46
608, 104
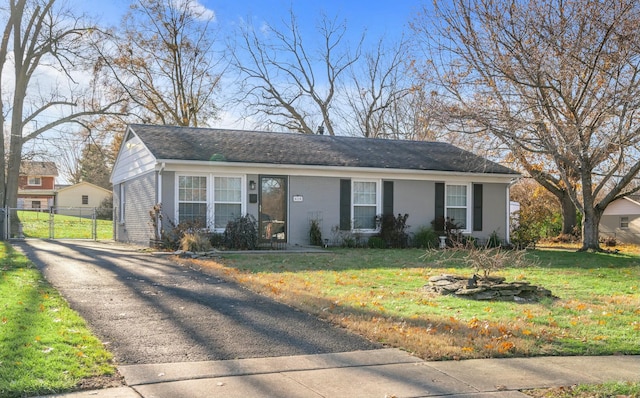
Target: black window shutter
439, 202
477, 207
345, 205
387, 198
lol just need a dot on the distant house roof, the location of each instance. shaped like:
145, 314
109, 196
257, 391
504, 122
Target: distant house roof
205, 144
39, 169
79, 185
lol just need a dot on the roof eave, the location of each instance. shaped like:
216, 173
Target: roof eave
159, 162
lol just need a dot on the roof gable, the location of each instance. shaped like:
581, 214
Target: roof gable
134, 158
199, 144
83, 184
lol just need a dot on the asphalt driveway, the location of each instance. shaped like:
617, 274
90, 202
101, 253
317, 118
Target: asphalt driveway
149, 309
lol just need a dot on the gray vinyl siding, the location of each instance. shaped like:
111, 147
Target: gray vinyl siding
252, 208
140, 197
169, 197
494, 211
610, 228
415, 198
321, 200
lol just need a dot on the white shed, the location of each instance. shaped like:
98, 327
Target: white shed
79, 196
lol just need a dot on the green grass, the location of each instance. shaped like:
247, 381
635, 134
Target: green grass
45, 347
378, 293
605, 390
36, 225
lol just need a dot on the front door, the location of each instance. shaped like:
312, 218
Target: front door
273, 208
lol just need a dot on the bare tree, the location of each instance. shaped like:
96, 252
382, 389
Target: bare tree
290, 84
40, 37
66, 151
375, 89
557, 81
165, 62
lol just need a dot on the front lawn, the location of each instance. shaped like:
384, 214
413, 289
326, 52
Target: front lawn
378, 293
45, 347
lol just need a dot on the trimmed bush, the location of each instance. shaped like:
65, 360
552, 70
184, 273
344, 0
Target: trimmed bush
315, 235
393, 230
376, 242
242, 233
426, 238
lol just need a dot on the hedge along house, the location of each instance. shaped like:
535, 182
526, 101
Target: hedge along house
285, 180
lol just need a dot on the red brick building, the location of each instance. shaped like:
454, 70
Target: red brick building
36, 186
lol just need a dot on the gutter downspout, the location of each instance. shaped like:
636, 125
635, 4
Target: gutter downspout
159, 195
508, 226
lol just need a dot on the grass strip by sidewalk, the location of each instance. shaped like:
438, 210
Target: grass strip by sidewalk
45, 347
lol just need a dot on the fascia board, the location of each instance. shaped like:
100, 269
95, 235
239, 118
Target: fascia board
332, 171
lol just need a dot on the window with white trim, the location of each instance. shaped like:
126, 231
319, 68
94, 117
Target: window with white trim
365, 204
227, 200
192, 199
457, 205
624, 222
34, 181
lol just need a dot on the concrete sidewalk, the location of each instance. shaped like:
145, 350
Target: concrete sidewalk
377, 373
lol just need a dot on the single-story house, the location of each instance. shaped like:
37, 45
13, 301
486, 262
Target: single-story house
73, 199
286, 180
621, 220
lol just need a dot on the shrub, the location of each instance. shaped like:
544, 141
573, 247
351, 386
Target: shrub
486, 260
171, 237
393, 230
494, 259
195, 242
342, 238
349, 241
376, 242
105, 211
241, 233
426, 238
216, 239
523, 236
494, 240
315, 235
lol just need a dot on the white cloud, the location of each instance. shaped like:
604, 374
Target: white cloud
197, 9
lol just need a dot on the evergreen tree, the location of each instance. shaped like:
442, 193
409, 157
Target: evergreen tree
94, 167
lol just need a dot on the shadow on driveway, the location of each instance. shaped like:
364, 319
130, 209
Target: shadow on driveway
148, 309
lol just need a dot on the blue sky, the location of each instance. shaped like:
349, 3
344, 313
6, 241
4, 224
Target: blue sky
375, 16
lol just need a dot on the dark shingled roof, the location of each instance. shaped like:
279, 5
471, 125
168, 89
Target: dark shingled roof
36, 168
204, 144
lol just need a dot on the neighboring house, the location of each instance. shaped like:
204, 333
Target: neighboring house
72, 199
621, 220
36, 185
286, 180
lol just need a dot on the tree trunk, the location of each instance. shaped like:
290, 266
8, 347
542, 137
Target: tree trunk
15, 146
590, 229
569, 214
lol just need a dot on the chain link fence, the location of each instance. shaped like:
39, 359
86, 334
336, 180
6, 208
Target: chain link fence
57, 223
